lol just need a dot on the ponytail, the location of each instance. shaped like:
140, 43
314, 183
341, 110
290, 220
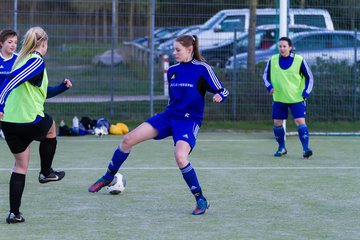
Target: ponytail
32, 39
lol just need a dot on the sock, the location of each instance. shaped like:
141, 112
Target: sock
17, 184
304, 136
117, 160
191, 180
279, 133
47, 151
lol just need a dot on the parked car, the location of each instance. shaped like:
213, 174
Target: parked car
328, 46
265, 37
167, 47
160, 35
223, 24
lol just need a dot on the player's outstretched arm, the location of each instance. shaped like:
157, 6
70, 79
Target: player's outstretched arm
56, 90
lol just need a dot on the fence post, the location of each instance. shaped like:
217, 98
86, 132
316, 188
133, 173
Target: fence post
165, 70
356, 76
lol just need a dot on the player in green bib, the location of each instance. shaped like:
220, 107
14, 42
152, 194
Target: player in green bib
289, 80
22, 97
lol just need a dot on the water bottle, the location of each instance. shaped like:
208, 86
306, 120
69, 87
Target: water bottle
75, 126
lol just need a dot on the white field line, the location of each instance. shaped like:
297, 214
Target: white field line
341, 139
205, 168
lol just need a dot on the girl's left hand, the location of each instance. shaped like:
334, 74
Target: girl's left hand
217, 98
67, 83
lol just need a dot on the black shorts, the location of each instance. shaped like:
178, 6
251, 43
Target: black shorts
18, 136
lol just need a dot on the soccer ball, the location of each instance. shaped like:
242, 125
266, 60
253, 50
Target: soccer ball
100, 131
119, 186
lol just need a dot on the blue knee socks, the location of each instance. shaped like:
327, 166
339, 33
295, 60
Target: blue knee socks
304, 136
279, 133
191, 180
117, 160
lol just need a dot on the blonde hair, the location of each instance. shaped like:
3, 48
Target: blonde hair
32, 39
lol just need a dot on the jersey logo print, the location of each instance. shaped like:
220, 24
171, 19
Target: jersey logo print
173, 76
185, 136
1, 66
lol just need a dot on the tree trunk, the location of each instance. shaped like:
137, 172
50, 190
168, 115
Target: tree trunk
251, 46
116, 23
131, 21
105, 30
83, 28
302, 4
148, 9
97, 25
33, 6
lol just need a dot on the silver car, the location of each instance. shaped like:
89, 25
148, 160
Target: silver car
314, 46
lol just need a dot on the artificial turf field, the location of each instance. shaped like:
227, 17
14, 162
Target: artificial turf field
252, 194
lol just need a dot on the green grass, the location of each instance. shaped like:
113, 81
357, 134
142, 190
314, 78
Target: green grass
314, 126
252, 194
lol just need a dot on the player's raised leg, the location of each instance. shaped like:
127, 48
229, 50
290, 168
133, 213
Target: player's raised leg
142, 133
47, 149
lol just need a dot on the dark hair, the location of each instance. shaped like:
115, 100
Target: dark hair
5, 34
191, 40
288, 40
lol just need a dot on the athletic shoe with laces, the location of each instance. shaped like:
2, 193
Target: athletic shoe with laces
280, 152
12, 218
201, 206
52, 177
99, 184
308, 153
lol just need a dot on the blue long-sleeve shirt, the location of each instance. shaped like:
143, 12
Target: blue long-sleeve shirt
31, 71
6, 65
285, 63
188, 83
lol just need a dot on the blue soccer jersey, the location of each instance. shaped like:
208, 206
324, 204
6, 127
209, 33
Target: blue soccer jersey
188, 83
6, 65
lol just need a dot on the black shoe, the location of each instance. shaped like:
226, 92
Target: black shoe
307, 154
52, 177
12, 218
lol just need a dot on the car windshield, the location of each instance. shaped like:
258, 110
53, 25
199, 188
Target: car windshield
212, 21
266, 19
232, 23
263, 40
290, 34
187, 30
310, 20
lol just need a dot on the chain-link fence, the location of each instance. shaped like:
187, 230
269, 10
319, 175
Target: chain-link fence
128, 84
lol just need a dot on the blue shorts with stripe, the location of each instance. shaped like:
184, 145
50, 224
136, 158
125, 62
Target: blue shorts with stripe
180, 129
280, 110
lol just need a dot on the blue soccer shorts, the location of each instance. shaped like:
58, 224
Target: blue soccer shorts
180, 129
280, 110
